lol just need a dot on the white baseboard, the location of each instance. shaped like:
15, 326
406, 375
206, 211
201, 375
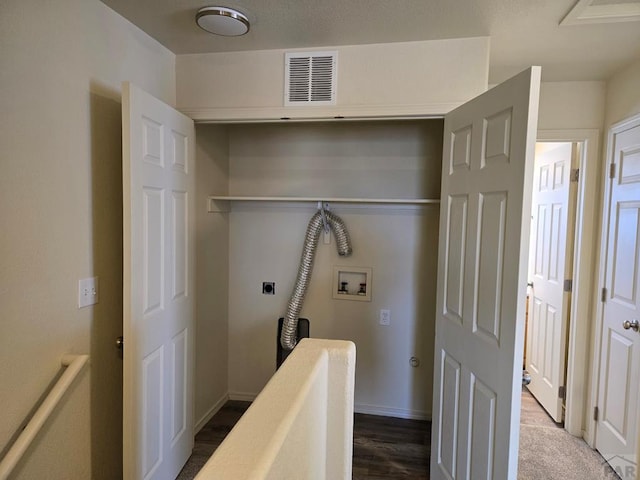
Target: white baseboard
392, 412
242, 396
211, 412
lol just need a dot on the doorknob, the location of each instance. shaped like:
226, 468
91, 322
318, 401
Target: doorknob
120, 343
633, 325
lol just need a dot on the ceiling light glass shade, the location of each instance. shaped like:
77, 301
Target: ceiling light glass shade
222, 21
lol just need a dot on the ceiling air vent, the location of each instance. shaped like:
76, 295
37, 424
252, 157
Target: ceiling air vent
310, 78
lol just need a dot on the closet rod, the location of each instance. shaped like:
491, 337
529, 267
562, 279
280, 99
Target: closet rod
215, 201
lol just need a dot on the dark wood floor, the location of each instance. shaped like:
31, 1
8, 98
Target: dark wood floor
383, 447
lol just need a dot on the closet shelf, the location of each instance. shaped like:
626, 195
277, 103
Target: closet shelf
218, 203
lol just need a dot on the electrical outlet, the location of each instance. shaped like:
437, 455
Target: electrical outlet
87, 292
385, 317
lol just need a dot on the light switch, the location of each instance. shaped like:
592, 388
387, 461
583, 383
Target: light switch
385, 317
87, 292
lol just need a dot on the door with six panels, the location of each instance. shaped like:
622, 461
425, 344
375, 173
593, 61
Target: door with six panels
158, 194
482, 275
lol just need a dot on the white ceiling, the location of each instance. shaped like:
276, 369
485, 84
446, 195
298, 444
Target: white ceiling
523, 32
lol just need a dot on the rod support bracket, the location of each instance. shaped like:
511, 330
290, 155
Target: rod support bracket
324, 206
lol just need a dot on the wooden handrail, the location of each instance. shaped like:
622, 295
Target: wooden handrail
74, 364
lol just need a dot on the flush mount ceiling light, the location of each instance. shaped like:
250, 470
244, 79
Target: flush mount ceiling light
222, 21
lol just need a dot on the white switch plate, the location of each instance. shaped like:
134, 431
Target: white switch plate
385, 317
87, 292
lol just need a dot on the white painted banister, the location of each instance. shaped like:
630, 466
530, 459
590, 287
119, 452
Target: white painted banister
300, 427
74, 364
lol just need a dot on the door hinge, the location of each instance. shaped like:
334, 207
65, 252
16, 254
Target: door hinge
575, 174
603, 297
562, 393
568, 285
595, 413
612, 170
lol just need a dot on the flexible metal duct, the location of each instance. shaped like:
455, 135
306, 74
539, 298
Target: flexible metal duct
343, 243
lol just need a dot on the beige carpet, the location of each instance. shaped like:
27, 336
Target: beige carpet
548, 452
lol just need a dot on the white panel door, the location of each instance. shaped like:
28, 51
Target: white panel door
618, 403
549, 303
158, 190
482, 275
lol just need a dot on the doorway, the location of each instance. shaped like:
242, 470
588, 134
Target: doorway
561, 300
582, 146
578, 394
553, 217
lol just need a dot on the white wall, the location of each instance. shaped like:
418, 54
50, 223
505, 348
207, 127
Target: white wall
623, 94
212, 273
375, 159
571, 105
60, 205
410, 78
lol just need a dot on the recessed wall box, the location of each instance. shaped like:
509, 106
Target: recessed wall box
352, 283
269, 288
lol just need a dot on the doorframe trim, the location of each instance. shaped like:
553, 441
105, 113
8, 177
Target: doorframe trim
579, 368
605, 197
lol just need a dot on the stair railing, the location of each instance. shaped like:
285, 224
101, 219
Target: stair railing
74, 364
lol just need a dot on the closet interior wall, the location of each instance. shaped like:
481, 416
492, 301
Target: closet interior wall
374, 159
212, 274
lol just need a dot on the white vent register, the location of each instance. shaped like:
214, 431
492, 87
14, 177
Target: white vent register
310, 78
